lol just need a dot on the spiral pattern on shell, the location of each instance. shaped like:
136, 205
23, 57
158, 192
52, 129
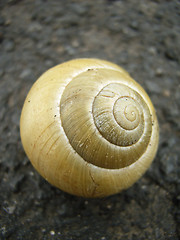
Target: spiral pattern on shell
100, 127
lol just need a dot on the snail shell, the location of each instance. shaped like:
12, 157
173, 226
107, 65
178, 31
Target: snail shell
89, 128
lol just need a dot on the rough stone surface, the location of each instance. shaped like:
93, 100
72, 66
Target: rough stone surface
141, 36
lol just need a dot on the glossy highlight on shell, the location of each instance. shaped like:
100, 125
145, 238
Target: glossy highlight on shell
89, 128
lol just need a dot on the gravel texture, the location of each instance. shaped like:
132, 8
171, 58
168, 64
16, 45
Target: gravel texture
141, 36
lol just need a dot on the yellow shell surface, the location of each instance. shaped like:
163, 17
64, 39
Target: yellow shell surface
89, 128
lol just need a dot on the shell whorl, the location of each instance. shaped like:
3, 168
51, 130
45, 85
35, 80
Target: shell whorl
89, 128
107, 122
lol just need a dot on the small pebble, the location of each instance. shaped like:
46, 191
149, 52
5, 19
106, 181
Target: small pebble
159, 72
25, 73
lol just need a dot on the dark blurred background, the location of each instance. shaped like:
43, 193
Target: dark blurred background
143, 37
